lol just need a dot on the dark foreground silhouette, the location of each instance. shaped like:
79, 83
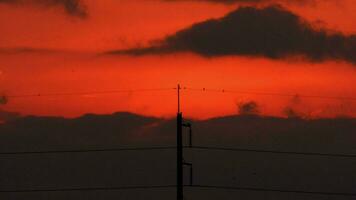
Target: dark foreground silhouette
157, 167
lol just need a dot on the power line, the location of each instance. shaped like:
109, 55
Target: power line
89, 189
83, 189
87, 150
173, 148
274, 152
268, 93
89, 92
273, 190
173, 88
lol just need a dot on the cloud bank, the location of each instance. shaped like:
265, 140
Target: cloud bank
8, 116
271, 32
72, 7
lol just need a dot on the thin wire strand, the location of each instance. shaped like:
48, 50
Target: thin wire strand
89, 189
183, 88
87, 150
274, 152
255, 189
268, 93
89, 93
173, 148
273, 190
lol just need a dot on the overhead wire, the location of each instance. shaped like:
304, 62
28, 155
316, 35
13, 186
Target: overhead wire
209, 148
102, 92
274, 152
115, 188
81, 189
256, 189
268, 93
86, 150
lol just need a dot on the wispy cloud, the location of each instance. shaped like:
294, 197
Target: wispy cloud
17, 50
72, 7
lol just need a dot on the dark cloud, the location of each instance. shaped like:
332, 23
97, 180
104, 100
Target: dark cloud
250, 1
72, 7
290, 112
271, 32
248, 108
8, 116
3, 100
295, 107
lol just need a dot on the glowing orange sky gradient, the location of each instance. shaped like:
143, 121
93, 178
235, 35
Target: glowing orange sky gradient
75, 64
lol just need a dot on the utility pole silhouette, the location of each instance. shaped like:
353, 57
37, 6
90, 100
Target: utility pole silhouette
180, 160
179, 150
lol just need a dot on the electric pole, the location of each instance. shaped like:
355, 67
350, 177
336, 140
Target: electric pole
179, 150
180, 160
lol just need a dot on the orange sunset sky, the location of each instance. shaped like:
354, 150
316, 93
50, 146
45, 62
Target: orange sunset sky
79, 46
